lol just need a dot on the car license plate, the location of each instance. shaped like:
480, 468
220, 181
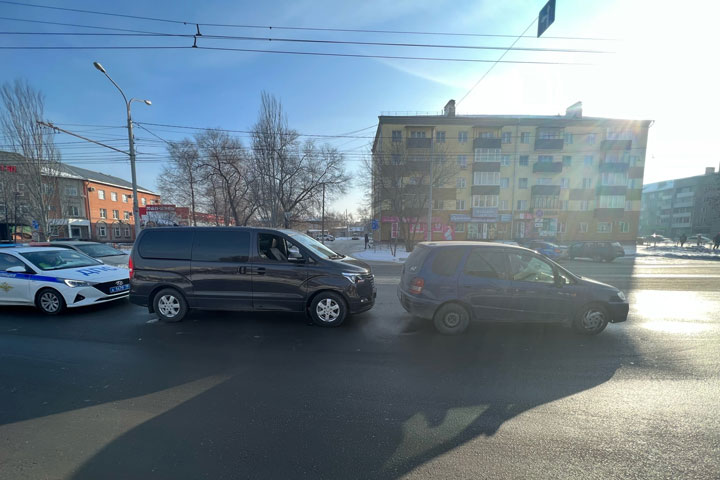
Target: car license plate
121, 288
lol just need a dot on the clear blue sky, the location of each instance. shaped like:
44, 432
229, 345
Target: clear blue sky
655, 74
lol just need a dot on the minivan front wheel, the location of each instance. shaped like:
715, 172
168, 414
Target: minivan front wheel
169, 305
328, 309
451, 319
591, 320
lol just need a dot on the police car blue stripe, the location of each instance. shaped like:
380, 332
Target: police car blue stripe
25, 276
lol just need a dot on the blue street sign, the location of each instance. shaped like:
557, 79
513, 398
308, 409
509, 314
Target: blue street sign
375, 224
546, 17
35, 225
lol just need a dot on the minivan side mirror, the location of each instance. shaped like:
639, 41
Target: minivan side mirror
298, 260
559, 281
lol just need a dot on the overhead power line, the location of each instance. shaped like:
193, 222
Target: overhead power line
309, 40
276, 27
44, 22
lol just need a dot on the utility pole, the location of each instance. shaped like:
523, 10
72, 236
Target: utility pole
131, 141
322, 221
430, 206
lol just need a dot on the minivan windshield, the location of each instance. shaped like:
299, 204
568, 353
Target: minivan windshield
314, 246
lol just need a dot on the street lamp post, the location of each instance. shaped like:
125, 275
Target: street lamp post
131, 141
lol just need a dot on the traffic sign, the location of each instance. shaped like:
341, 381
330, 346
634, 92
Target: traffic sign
35, 225
375, 225
546, 17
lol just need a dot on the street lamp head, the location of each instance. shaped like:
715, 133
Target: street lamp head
147, 102
99, 67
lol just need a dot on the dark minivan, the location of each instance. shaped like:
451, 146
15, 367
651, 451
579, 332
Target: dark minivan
242, 268
452, 283
598, 251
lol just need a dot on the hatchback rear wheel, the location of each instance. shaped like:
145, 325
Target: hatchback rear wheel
451, 319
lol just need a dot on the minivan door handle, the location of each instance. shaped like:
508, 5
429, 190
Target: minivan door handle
259, 271
242, 270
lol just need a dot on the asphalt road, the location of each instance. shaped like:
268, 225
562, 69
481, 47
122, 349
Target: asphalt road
108, 392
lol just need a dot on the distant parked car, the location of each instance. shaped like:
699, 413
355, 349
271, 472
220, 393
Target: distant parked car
548, 249
452, 283
355, 237
328, 238
598, 251
99, 251
693, 239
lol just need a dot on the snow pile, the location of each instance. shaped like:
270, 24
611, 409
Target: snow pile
382, 254
674, 251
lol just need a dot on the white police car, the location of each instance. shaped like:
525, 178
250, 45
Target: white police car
55, 278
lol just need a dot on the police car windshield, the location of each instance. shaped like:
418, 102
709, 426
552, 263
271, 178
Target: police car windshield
314, 246
59, 259
97, 250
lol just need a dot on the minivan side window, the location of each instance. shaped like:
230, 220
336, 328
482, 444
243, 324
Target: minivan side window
529, 268
484, 264
166, 244
221, 246
276, 248
446, 261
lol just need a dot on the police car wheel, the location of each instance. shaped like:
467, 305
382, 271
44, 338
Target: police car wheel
170, 305
50, 301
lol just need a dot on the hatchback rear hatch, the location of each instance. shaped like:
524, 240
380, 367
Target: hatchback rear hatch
413, 264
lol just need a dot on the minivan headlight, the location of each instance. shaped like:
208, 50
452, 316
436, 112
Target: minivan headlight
621, 295
353, 277
77, 283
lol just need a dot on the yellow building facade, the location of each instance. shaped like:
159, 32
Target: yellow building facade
506, 177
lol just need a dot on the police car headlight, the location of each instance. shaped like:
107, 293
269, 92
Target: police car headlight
77, 283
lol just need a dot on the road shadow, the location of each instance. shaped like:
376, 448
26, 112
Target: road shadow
338, 406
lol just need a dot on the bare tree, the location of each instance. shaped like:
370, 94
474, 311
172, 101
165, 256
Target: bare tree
291, 175
224, 163
401, 183
23, 107
180, 180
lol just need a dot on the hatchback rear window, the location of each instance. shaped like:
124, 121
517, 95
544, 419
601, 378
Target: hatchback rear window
446, 261
167, 244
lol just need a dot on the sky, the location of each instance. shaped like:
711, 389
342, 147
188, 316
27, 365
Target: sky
662, 67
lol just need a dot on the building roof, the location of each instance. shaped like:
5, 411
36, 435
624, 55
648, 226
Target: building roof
494, 120
103, 178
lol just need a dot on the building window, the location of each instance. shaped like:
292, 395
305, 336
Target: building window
506, 136
543, 181
460, 182
485, 201
102, 231
522, 183
73, 211
417, 134
71, 191
545, 158
588, 160
143, 201
583, 227
505, 160
487, 155
590, 139
440, 136
587, 182
562, 227
459, 204
462, 137
126, 231
613, 178
394, 159
116, 232
567, 160
462, 161
503, 204
524, 160
116, 214
460, 227
524, 137
113, 196
564, 183
504, 182
584, 205
126, 215
628, 205
124, 198
486, 178
604, 227
611, 201
624, 227
438, 204
101, 194
522, 204
569, 138
103, 213
397, 135
564, 204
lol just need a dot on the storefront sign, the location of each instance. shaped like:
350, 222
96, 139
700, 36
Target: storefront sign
460, 217
484, 212
505, 217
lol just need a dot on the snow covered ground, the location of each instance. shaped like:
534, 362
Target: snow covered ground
382, 254
673, 251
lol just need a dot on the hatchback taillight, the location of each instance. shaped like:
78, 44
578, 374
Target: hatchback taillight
417, 285
130, 266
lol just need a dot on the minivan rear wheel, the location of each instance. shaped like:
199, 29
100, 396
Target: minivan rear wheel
170, 305
328, 309
591, 320
451, 319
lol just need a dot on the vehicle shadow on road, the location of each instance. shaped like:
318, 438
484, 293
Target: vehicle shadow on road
318, 403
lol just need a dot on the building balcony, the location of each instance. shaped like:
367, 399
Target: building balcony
418, 142
549, 144
485, 190
486, 166
547, 167
545, 190
615, 144
611, 190
609, 213
486, 143
613, 166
